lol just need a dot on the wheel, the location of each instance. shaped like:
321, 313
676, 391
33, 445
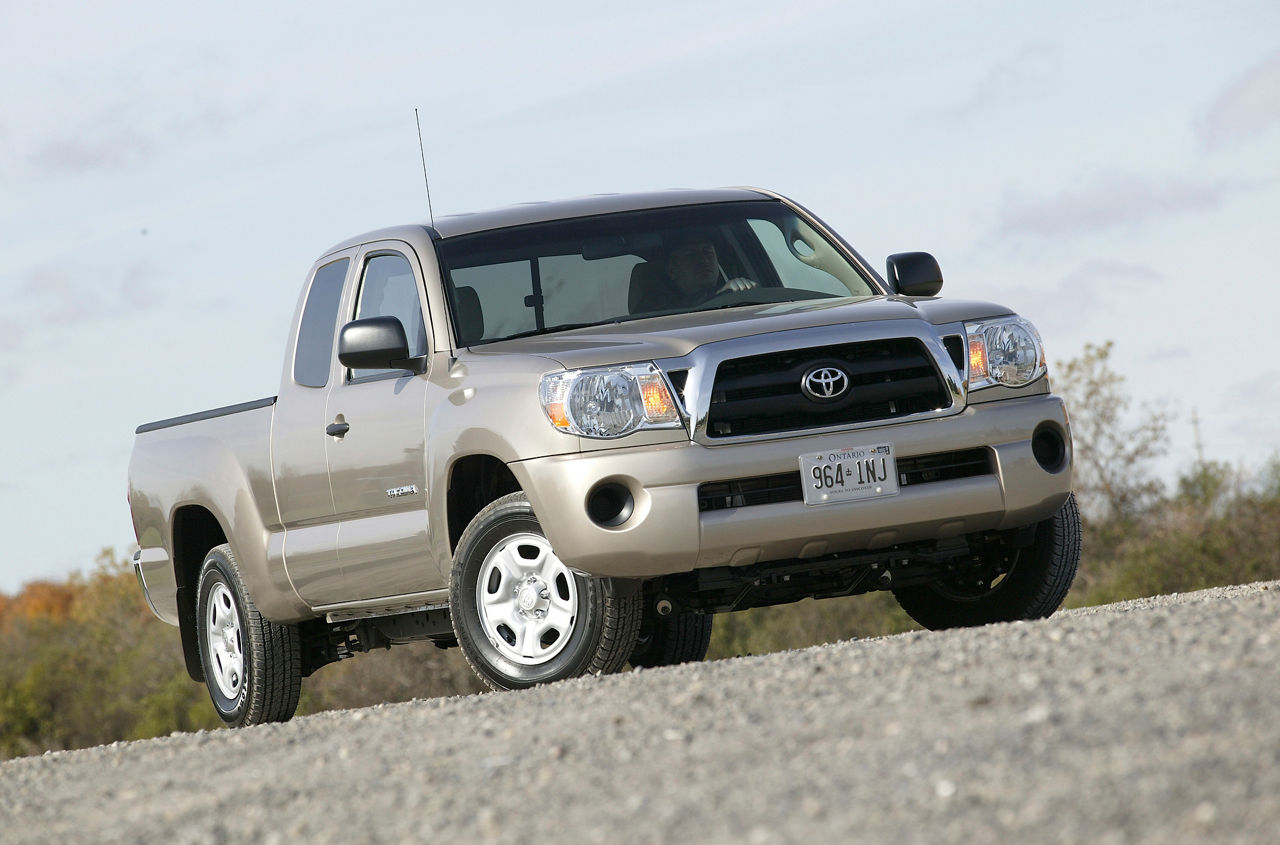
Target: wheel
1033, 587
521, 616
252, 666
668, 640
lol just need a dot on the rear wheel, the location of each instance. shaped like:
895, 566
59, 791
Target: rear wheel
1032, 585
668, 640
252, 666
521, 616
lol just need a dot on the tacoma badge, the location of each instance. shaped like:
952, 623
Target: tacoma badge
397, 492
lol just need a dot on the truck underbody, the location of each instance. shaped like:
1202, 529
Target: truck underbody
975, 561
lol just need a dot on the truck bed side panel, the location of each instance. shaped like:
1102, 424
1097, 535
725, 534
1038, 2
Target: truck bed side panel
221, 464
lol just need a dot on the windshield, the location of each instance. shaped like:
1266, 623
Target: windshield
587, 271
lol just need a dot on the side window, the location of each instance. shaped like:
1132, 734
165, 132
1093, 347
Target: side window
316, 329
389, 289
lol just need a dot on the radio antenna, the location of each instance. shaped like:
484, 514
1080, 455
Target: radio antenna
422, 151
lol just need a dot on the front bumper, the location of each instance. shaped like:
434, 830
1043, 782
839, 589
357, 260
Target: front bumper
665, 532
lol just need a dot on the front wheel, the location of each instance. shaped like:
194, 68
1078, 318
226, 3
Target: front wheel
252, 666
1032, 586
521, 616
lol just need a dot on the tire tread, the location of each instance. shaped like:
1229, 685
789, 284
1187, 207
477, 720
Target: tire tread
273, 656
680, 638
1034, 589
620, 613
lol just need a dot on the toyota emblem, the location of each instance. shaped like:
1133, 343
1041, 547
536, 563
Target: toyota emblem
823, 384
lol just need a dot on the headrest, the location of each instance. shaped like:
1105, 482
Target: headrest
469, 315
647, 282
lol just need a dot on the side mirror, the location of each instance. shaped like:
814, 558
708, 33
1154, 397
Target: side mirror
377, 343
914, 273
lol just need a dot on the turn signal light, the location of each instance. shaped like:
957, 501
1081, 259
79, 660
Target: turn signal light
977, 359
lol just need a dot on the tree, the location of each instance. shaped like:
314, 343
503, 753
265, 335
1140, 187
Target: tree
1113, 454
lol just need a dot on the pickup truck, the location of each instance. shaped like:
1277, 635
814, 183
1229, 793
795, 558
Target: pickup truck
564, 435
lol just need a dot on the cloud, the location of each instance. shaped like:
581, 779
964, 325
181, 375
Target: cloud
1098, 281
111, 151
70, 294
1116, 273
1252, 420
1167, 355
1247, 107
138, 289
61, 295
1030, 75
11, 334
1117, 200
1099, 288
128, 135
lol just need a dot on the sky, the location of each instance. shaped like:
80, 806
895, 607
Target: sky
1109, 170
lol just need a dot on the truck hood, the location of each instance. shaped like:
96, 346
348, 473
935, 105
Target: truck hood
676, 335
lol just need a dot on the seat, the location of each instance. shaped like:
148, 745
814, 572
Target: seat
649, 287
470, 315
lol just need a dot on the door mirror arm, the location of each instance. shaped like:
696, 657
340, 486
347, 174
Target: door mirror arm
416, 365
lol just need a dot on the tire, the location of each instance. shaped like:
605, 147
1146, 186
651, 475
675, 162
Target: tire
668, 640
1034, 586
521, 616
252, 666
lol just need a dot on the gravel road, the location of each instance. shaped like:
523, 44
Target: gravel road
1148, 721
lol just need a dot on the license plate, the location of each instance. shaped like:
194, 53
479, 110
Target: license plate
856, 472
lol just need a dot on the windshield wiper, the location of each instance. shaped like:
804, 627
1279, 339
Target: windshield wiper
563, 327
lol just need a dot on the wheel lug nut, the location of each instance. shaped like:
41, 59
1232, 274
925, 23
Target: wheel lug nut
539, 613
545, 594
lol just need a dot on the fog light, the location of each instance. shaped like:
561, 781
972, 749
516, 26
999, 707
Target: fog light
610, 504
1049, 448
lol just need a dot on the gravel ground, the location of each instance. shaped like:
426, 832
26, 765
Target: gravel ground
1148, 721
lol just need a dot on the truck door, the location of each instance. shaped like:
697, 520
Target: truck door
299, 463
377, 469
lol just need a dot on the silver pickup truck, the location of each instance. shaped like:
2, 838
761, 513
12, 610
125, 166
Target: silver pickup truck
563, 435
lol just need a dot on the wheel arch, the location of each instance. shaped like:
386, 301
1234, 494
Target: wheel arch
195, 531
475, 481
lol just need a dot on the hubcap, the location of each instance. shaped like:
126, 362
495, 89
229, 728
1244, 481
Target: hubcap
224, 643
527, 600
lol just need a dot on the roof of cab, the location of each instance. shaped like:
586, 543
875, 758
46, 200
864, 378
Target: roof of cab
452, 225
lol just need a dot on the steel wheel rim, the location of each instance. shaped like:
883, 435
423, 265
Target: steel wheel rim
970, 593
527, 600
225, 641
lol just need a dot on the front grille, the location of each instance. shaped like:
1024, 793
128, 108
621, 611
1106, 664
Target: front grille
744, 492
761, 394
785, 486
943, 466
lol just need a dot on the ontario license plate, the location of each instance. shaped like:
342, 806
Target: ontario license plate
857, 472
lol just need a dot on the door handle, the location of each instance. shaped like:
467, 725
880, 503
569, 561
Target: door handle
337, 429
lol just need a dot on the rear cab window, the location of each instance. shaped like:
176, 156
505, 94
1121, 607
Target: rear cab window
314, 351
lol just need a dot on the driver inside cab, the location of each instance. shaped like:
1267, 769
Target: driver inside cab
692, 275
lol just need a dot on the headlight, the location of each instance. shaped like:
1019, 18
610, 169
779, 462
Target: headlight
1007, 351
609, 401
